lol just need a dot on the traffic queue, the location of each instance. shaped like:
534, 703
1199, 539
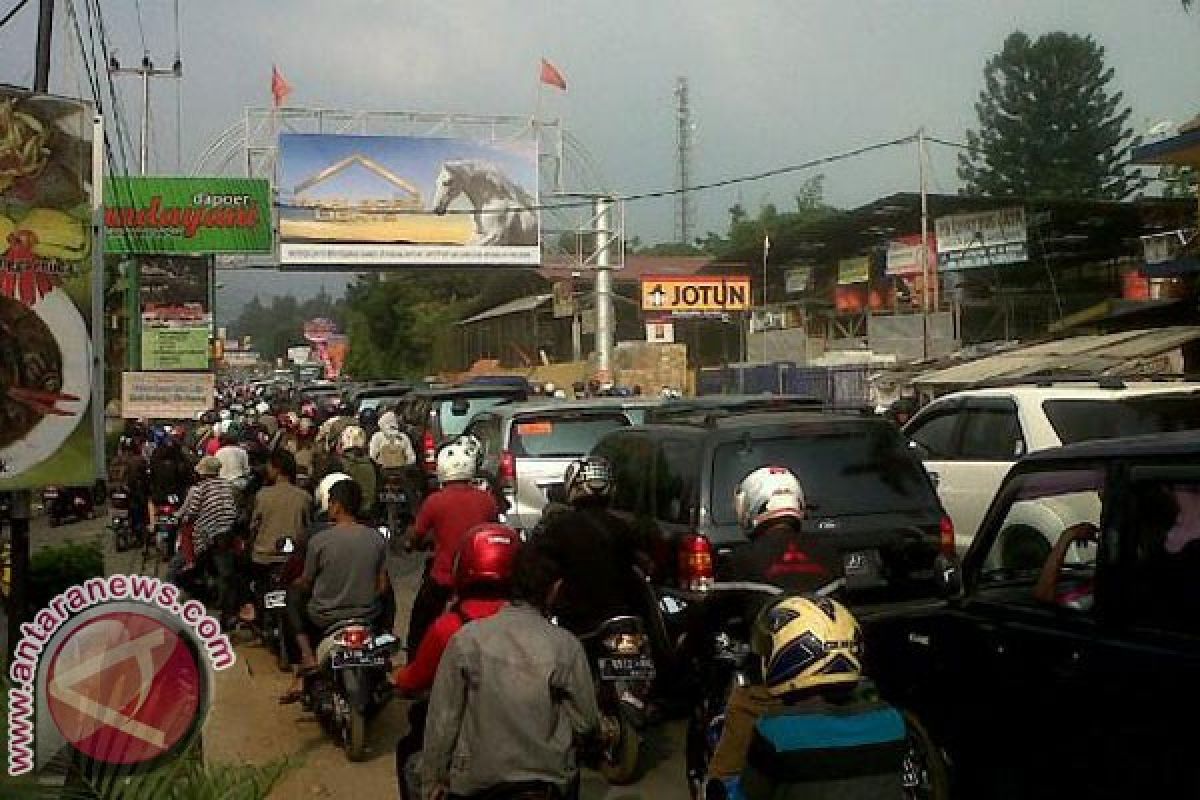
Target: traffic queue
781, 575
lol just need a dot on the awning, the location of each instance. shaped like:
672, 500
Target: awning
1182, 150
518, 306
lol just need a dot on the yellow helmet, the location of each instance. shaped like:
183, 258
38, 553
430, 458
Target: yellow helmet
807, 643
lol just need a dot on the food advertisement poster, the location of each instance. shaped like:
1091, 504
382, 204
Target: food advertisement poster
201, 216
348, 201
46, 433
176, 318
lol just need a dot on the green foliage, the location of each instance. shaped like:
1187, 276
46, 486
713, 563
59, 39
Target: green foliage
274, 328
744, 241
1177, 182
55, 569
1049, 126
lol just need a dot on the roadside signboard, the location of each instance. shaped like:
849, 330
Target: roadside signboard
166, 395
692, 295
350, 201
197, 216
904, 255
797, 280
983, 239
47, 433
854, 270
177, 322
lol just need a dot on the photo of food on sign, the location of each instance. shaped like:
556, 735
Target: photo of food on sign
45, 241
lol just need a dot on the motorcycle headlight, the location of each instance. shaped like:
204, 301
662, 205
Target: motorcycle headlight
626, 644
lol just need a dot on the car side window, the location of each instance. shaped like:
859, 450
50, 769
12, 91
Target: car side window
934, 434
630, 459
1046, 540
1163, 553
992, 433
675, 478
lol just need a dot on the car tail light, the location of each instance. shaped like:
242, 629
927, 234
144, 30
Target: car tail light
695, 562
353, 637
508, 470
429, 445
946, 542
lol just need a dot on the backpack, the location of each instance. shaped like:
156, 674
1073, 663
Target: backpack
396, 452
362, 470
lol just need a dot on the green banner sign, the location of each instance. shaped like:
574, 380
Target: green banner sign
200, 216
175, 348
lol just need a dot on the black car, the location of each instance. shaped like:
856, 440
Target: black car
380, 398
1072, 675
675, 483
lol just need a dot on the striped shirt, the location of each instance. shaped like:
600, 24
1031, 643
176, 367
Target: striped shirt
210, 504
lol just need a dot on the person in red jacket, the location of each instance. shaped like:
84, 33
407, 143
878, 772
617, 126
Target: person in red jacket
446, 516
482, 573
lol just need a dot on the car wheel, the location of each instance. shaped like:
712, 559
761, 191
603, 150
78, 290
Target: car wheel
1023, 548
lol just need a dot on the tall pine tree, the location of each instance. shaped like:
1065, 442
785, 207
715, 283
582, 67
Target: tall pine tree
1049, 126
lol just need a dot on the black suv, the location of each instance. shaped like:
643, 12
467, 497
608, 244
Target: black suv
1073, 674
675, 483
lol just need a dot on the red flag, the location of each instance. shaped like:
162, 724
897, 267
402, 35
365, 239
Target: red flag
280, 88
552, 76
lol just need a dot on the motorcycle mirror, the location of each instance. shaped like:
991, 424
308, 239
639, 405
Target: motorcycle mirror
948, 576
385, 532
285, 544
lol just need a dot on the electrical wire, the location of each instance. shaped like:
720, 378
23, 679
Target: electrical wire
141, 29
13, 12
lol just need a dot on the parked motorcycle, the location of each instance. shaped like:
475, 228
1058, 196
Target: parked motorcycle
624, 671
120, 522
166, 527
63, 503
351, 683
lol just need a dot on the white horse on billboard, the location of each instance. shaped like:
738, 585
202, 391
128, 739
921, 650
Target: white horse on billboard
503, 211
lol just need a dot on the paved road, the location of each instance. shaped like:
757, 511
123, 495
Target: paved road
247, 725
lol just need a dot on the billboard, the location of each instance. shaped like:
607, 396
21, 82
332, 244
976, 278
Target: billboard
199, 216
680, 295
46, 378
904, 255
160, 395
854, 270
363, 201
984, 239
176, 318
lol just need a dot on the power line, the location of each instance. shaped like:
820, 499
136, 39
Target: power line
13, 12
141, 29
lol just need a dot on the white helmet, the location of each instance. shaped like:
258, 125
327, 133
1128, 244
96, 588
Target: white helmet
548, 388
225, 414
766, 494
458, 460
352, 437
263, 407
325, 485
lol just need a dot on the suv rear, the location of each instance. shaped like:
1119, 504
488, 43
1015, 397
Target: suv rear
528, 446
432, 417
675, 483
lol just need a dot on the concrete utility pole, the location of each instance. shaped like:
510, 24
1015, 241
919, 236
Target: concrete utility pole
604, 311
928, 271
146, 70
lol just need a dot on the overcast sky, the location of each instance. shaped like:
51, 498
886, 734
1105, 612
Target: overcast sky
772, 82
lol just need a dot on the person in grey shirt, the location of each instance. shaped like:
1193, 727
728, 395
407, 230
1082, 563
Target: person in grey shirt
344, 570
512, 700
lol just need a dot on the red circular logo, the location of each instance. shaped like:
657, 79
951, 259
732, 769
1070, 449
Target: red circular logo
125, 688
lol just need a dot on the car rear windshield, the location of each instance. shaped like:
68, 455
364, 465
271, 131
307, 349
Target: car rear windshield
844, 471
1084, 420
380, 401
454, 424
552, 435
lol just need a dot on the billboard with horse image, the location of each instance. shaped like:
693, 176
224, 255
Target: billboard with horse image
363, 201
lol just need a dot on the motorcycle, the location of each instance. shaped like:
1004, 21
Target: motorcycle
121, 523
270, 600
624, 671
351, 682
394, 501
64, 503
166, 527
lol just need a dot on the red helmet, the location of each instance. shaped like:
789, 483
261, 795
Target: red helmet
486, 556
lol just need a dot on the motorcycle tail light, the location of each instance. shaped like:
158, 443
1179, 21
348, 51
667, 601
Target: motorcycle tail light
695, 562
626, 644
946, 537
354, 637
429, 445
508, 470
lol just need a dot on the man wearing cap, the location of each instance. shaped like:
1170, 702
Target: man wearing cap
210, 507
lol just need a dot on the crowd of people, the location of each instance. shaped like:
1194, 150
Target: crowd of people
503, 700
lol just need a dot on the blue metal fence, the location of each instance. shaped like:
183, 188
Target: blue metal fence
840, 386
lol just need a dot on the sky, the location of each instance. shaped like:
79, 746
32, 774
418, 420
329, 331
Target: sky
772, 82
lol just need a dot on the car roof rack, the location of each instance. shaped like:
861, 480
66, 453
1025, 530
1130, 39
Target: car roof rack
698, 407
1048, 379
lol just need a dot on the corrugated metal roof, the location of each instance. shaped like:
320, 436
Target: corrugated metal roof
1110, 353
518, 306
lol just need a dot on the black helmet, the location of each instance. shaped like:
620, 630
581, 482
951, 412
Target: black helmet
368, 418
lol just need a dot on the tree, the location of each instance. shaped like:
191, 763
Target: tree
744, 240
1049, 126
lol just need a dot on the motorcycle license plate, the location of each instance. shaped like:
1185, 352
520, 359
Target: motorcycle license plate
638, 668
276, 599
864, 569
391, 496
120, 513
358, 658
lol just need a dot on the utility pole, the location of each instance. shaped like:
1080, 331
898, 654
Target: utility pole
683, 114
926, 271
45, 29
604, 310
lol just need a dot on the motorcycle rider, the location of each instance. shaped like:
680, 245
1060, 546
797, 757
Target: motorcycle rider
821, 734
482, 584
235, 462
210, 510
446, 516
170, 471
280, 510
129, 469
596, 550
352, 459
512, 701
390, 447
344, 572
